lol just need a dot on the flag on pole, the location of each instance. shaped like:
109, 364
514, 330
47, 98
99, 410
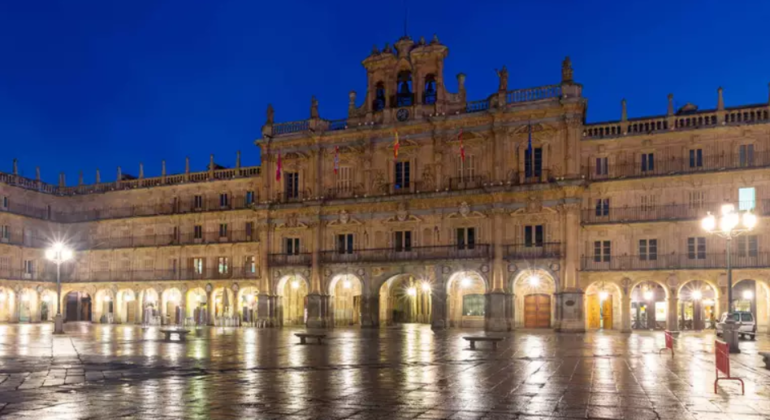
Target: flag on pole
336, 159
462, 147
278, 168
396, 145
529, 141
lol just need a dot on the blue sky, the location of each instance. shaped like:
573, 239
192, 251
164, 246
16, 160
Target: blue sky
89, 84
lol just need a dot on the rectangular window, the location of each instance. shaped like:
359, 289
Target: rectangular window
29, 266
402, 241
648, 162
291, 246
601, 166
343, 179
198, 232
4, 203
5, 233
403, 175
602, 207
602, 250
696, 158
466, 169
197, 263
748, 246
251, 264
534, 235
466, 238
533, 162
696, 248
224, 200
223, 265
198, 202
223, 230
250, 198
648, 249
696, 199
747, 154
747, 199
291, 184
345, 243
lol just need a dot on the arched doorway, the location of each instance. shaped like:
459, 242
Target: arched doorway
7, 304
697, 306
224, 302
466, 300
170, 306
533, 305
405, 299
603, 306
28, 305
649, 307
47, 306
292, 291
248, 299
104, 307
126, 307
150, 309
78, 307
196, 304
753, 296
345, 290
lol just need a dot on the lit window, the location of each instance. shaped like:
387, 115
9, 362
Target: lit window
746, 198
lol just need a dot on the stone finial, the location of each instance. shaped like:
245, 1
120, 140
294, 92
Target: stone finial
720, 100
375, 50
238, 159
120, 174
503, 75
352, 99
314, 108
141, 170
670, 104
435, 39
387, 49
623, 110
163, 168
187, 165
37, 173
270, 114
211, 162
80, 178
422, 40
15, 166
461, 81
98, 176
566, 70
62, 180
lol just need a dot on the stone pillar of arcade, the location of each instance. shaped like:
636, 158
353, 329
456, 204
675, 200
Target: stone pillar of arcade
438, 301
570, 299
497, 299
315, 299
266, 300
625, 306
672, 318
370, 302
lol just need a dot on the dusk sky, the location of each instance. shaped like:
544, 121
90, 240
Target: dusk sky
89, 84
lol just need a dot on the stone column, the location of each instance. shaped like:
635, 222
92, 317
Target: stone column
571, 301
439, 315
210, 307
315, 312
672, 320
625, 309
496, 299
370, 311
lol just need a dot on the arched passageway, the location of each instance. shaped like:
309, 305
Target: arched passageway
697, 306
292, 303
649, 307
533, 305
224, 307
104, 307
466, 300
753, 296
248, 299
27, 305
171, 308
47, 306
78, 307
7, 304
126, 307
345, 290
196, 306
405, 299
150, 307
603, 306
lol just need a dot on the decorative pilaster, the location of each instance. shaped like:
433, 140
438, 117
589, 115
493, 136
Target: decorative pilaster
570, 299
439, 304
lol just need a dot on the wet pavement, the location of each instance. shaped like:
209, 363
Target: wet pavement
100, 371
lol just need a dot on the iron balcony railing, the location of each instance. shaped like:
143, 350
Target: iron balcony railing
675, 262
476, 251
209, 237
30, 241
666, 212
533, 251
119, 275
32, 275
283, 259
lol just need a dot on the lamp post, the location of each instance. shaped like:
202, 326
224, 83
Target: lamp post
58, 253
729, 225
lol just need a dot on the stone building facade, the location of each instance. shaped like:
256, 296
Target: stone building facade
420, 206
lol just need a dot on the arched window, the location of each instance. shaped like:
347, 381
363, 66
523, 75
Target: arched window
379, 97
404, 96
429, 95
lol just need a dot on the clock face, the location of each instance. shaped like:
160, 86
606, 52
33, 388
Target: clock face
402, 114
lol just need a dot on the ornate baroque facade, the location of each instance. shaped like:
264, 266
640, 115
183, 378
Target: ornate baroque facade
420, 206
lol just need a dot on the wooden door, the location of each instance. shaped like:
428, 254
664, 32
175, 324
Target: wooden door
537, 311
607, 313
593, 311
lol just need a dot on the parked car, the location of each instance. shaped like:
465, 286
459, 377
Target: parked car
747, 325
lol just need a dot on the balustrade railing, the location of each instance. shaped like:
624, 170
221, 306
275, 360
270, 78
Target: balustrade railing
290, 127
118, 275
674, 262
653, 212
475, 251
533, 94
281, 260
335, 125
533, 251
466, 182
477, 106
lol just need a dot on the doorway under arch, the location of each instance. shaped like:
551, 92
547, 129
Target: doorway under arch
126, 310
466, 300
404, 299
27, 305
104, 306
345, 290
77, 307
150, 307
753, 296
223, 301
292, 291
7, 304
603, 306
649, 306
533, 303
248, 299
47, 306
697, 306
196, 306
171, 309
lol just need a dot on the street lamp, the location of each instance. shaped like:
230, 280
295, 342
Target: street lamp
58, 254
729, 225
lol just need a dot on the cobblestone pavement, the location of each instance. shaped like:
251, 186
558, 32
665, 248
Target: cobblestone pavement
100, 371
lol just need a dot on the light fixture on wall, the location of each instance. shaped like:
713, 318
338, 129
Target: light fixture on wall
346, 283
425, 286
748, 295
295, 284
648, 295
603, 295
697, 295
25, 297
465, 282
2, 296
534, 280
46, 298
411, 291
107, 298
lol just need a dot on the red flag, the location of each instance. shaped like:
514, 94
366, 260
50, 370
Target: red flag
336, 159
396, 146
278, 168
462, 147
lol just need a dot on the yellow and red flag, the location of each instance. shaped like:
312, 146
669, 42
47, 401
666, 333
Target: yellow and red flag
396, 145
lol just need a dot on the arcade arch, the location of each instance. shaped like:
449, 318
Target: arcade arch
405, 299
533, 302
345, 290
292, 299
466, 299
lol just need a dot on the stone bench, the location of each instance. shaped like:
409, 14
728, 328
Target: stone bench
179, 333
305, 336
765, 358
493, 340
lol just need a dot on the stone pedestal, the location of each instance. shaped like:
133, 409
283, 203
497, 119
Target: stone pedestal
730, 335
572, 311
58, 324
496, 319
370, 311
315, 311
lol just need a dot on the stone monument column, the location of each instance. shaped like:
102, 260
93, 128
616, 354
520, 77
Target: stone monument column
315, 312
570, 298
496, 300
